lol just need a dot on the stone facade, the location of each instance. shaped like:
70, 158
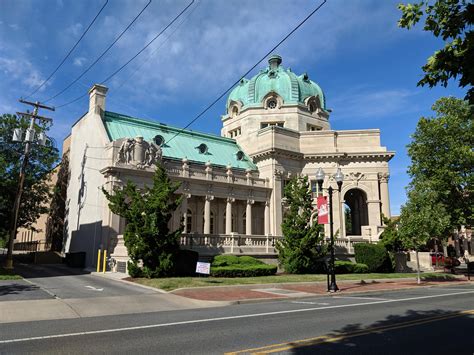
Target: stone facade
235, 207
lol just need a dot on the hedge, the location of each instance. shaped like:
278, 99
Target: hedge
243, 270
240, 266
375, 256
347, 267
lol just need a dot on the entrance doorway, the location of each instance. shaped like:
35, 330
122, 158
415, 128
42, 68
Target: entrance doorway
356, 212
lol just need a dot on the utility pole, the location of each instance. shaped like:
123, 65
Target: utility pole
29, 139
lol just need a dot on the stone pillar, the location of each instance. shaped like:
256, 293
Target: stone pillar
374, 212
384, 197
248, 218
276, 200
267, 218
207, 214
228, 216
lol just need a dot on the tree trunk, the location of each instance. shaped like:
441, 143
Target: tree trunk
418, 279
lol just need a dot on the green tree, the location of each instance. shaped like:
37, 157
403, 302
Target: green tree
390, 238
302, 243
57, 208
36, 190
451, 20
442, 159
421, 219
147, 212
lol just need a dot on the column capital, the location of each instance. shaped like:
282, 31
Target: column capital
209, 197
267, 203
250, 202
230, 199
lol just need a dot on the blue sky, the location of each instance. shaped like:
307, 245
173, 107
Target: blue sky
366, 65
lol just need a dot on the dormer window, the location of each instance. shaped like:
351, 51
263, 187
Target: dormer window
158, 140
240, 155
235, 111
202, 148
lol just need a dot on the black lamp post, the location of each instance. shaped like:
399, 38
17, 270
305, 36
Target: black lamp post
339, 177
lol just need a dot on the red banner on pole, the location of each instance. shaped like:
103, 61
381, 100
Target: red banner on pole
323, 210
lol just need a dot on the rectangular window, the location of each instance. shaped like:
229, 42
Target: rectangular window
266, 124
314, 188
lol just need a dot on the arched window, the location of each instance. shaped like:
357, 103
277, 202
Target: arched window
233, 223
189, 221
244, 222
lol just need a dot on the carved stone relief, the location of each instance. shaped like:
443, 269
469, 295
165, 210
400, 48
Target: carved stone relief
139, 153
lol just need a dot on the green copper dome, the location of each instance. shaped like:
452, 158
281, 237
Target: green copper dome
290, 87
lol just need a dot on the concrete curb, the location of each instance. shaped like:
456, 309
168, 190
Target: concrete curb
136, 284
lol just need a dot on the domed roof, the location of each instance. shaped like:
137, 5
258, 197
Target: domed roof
289, 86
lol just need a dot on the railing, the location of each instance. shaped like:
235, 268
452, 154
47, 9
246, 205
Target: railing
32, 246
231, 243
346, 245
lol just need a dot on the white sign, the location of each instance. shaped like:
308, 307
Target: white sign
203, 268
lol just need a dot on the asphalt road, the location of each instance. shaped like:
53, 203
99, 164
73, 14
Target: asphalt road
57, 281
436, 320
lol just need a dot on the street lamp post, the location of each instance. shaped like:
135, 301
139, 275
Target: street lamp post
339, 177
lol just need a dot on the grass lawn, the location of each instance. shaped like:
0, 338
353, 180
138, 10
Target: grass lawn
8, 275
172, 283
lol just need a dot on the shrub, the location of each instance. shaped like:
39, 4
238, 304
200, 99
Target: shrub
347, 267
185, 263
375, 256
134, 270
240, 266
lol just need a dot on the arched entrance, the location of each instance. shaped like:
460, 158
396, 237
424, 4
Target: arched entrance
356, 211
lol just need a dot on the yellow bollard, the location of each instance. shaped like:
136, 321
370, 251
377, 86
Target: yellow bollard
105, 260
98, 260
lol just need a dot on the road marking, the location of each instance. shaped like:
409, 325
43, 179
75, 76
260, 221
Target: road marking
207, 320
94, 289
362, 298
304, 302
329, 338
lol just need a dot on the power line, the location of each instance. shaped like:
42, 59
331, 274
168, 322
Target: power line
70, 51
247, 72
100, 57
127, 80
136, 55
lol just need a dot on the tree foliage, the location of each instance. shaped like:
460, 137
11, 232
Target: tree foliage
390, 237
36, 189
57, 209
301, 246
442, 161
147, 211
452, 21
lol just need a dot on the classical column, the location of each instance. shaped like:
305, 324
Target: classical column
248, 217
384, 194
184, 212
207, 214
228, 216
267, 218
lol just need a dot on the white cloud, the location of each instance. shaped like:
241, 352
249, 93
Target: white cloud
370, 103
23, 70
14, 26
79, 61
75, 29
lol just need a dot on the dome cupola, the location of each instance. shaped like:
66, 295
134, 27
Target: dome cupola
273, 87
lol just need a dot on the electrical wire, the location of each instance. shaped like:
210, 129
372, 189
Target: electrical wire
69, 53
246, 73
131, 59
128, 79
100, 57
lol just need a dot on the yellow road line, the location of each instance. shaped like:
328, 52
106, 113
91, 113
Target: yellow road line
336, 337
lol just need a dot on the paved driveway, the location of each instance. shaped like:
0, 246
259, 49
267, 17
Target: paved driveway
59, 281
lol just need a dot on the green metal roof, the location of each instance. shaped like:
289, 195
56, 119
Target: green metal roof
292, 88
221, 151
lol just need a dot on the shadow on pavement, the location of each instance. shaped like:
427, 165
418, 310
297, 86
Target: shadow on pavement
15, 288
31, 271
416, 332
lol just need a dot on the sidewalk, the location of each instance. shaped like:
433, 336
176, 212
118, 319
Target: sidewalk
252, 293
